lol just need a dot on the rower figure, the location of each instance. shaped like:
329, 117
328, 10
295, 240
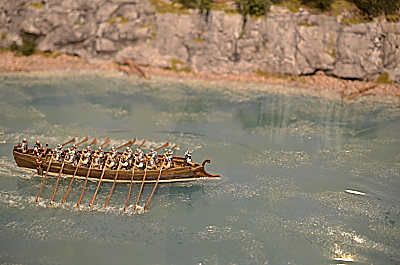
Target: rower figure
70, 156
47, 151
139, 159
168, 158
24, 146
87, 157
114, 152
153, 159
59, 152
127, 158
188, 159
111, 162
98, 158
37, 148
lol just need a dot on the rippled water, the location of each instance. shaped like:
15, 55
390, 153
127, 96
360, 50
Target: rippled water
286, 160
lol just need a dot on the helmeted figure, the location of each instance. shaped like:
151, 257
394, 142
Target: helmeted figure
127, 158
58, 153
111, 162
87, 157
24, 146
139, 159
37, 148
70, 156
98, 158
153, 159
188, 158
168, 158
114, 152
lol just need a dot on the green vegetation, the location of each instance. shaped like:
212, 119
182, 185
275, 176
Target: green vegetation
360, 11
267, 75
384, 79
4, 36
28, 46
292, 5
374, 8
178, 66
49, 54
14, 47
36, 5
393, 17
318, 4
197, 40
176, 8
306, 24
340, 6
331, 53
118, 20
253, 7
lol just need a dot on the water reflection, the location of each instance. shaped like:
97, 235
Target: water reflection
285, 161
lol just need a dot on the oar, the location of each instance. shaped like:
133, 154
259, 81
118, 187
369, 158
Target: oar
128, 143
56, 185
133, 173
130, 189
61, 169
72, 179
142, 144
93, 142
97, 189
44, 151
81, 142
152, 192
161, 147
113, 186
101, 177
106, 142
44, 179
70, 141
173, 147
141, 188
84, 185
158, 178
76, 170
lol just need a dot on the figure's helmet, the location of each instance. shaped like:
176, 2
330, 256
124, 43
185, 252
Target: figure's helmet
100, 149
89, 148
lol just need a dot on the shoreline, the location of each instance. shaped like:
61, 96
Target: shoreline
346, 89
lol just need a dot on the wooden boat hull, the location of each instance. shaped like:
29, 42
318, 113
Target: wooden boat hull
178, 173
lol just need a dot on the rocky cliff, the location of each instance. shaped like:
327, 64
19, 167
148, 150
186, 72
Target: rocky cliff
294, 44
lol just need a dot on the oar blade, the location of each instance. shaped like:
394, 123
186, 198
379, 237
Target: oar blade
106, 142
84, 140
128, 143
161, 147
93, 142
140, 146
70, 141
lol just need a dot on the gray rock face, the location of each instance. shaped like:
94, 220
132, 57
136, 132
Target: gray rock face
295, 44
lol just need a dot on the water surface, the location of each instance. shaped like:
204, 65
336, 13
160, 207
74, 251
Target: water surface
286, 161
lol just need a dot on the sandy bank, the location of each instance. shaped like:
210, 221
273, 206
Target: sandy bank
318, 82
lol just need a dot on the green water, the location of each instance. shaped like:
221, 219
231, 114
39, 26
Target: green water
286, 161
